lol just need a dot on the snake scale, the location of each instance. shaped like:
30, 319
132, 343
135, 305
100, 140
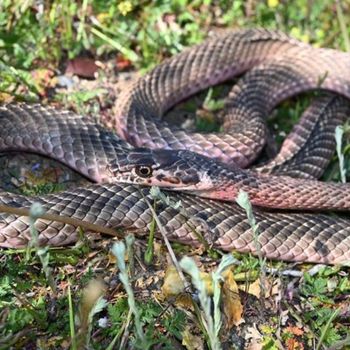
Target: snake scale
279, 67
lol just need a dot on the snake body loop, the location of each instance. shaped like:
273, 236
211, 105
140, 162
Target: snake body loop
280, 67
283, 68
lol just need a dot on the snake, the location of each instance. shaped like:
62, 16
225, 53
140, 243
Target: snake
203, 171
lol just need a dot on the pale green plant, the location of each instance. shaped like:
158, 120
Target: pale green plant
118, 250
339, 132
42, 252
211, 324
244, 202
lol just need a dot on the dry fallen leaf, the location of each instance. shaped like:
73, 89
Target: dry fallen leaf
173, 287
206, 277
254, 288
254, 346
294, 330
272, 287
231, 302
173, 284
158, 250
6, 98
43, 79
293, 344
185, 301
82, 66
123, 63
112, 260
254, 337
190, 341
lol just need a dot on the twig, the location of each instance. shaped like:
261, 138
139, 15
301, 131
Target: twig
126, 331
342, 24
66, 220
168, 245
156, 193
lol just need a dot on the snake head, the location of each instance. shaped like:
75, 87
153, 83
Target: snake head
172, 169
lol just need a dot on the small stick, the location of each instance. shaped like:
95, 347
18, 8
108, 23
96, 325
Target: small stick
64, 219
168, 245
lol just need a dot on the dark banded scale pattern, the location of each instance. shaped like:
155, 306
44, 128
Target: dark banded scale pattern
285, 236
283, 67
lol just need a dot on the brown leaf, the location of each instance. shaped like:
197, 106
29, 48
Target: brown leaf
112, 260
294, 330
292, 344
122, 63
82, 66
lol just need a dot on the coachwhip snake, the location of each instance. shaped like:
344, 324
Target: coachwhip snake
280, 67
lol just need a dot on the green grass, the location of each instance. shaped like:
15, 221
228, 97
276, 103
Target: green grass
144, 33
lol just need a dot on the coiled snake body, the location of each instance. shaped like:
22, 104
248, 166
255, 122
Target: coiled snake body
281, 67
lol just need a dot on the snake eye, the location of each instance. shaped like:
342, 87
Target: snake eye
143, 171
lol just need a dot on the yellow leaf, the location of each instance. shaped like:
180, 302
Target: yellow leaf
231, 302
173, 288
125, 7
5, 97
103, 17
185, 301
173, 284
305, 38
111, 258
208, 281
254, 288
272, 3
271, 287
190, 341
